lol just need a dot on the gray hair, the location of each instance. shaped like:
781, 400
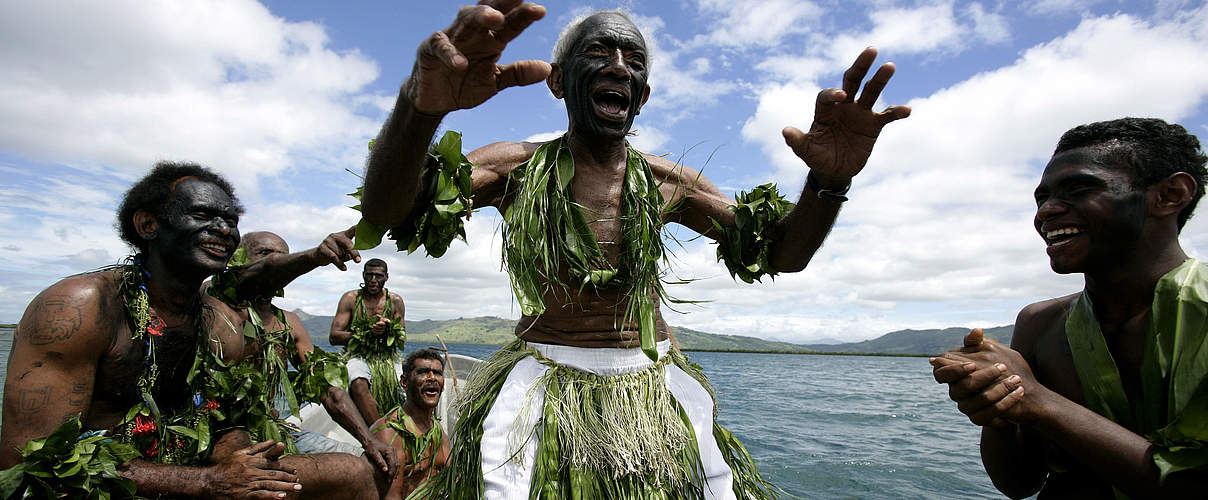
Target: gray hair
570, 32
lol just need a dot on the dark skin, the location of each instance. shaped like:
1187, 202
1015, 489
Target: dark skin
72, 354
1027, 397
374, 299
603, 80
262, 245
424, 385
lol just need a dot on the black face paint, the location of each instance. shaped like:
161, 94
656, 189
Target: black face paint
200, 228
375, 280
604, 76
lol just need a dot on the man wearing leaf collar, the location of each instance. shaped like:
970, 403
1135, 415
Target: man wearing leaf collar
369, 322
413, 430
1103, 393
584, 216
135, 355
260, 245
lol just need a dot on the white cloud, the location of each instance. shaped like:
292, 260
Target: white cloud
120, 85
756, 22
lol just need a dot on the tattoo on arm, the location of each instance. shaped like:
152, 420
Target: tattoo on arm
57, 320
33, 400
78, 398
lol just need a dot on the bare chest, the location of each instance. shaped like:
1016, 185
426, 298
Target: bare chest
600, 200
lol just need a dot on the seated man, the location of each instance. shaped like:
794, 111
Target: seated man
417, 438
263, 244
1105, 389
369, 322
139, 352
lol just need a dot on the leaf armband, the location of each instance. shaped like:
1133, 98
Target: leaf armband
445, 188
321, 370
743, 247
68, 464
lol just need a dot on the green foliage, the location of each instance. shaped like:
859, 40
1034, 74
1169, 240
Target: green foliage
224, 285
743, 247
320, 371
445, 187
65, 464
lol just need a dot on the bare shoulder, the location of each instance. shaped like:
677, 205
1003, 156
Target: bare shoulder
1039, 318
80, 310
502, 157
348, 298
396, 298
295, 322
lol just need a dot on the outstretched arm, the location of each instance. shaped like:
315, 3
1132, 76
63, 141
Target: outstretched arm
265, 276
835, 150
454, 69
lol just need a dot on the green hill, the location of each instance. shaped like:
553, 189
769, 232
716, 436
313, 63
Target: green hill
915, 341
491, 330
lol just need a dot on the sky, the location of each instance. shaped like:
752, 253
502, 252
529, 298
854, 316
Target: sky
282, 97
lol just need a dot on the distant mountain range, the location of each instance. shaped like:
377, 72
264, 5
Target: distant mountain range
491, 330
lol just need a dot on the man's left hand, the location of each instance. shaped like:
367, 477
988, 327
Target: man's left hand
382, 457
845, 128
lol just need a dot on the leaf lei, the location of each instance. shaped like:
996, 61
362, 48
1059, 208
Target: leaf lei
445, 188
69, 464
744, 248
418, 446
378, 351
320, 371
545, 231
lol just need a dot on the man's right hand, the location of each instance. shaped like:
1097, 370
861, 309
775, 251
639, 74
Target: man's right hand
252, 473
379, 327
336, 248
985, 384
456, 68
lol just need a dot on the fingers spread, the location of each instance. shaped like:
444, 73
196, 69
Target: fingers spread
872, 89
855, 74
440, 47
516, 20
522, 73
827, 99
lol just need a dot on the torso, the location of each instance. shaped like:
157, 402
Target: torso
589, 318
1042, 342
121, 365
372, 306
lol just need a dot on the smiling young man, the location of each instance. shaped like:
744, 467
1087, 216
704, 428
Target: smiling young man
1106, 388
417, 438
134, 352
364, 319
584, 215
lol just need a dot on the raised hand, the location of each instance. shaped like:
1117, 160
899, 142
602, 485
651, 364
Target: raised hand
457, 68
252, 473
845, 128
336, 248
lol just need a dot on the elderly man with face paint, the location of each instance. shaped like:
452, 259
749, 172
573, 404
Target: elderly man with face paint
132, 351
1103, 393
573, 408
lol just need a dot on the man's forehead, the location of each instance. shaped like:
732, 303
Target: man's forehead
194, 192
610, 26
1082, 162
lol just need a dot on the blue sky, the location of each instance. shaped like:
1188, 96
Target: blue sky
283, 96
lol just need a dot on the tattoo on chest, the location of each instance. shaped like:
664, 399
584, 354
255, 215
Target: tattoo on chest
58, 320
76, 398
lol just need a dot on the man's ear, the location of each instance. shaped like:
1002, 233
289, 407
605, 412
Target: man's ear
146, 224
554, 80
645, 97
1172, 194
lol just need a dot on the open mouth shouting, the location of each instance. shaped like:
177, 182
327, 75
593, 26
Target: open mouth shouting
611, 102
430, 390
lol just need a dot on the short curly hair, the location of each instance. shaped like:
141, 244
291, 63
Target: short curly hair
1149, 148
153, 193
425, 353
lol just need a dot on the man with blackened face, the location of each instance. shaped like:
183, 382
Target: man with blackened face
199, 228
583, 218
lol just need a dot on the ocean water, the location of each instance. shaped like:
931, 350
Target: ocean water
831, 426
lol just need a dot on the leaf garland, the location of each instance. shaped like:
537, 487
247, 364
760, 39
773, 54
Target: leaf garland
444, 191
68, 464
378, 351
224, 285
320, 371
744, 247
545, 232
